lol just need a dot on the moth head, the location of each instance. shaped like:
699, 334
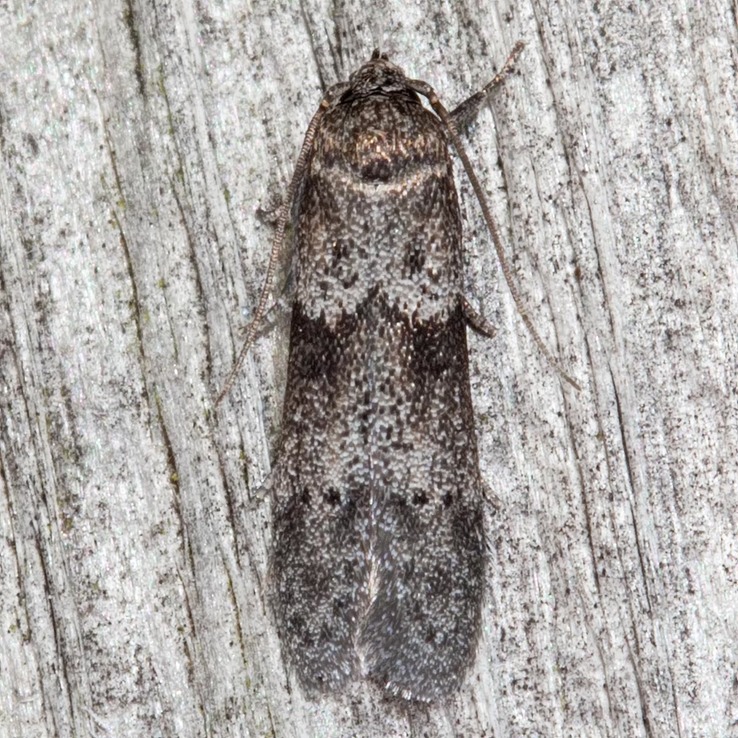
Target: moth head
378, 76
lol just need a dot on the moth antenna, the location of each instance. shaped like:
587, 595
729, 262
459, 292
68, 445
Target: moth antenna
427, 91
284, 213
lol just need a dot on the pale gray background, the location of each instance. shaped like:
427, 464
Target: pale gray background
142, 148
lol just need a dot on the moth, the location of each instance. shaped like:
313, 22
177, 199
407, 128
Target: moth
378, 559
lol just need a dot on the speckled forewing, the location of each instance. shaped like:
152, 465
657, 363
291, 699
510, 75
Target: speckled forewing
322, 505
420, 633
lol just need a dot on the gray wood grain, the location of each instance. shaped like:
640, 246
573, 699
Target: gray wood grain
141, 145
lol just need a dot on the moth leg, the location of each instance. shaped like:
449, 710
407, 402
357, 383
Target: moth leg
476, 320
268, 214
490, 497
465, 113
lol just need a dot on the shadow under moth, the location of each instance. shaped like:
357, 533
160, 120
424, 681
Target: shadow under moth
378, 559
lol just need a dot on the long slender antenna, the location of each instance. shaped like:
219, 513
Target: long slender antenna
427, 91
284, 214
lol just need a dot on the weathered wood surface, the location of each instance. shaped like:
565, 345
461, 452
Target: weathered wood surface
138, 143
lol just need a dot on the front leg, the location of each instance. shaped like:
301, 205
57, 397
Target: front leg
465, 113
